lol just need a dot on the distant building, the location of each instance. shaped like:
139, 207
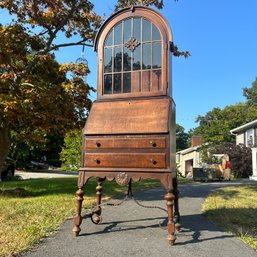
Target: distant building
247, 135
190, 158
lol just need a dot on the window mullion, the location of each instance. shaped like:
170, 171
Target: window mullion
141, 57
122, 55
112, 68
151, 55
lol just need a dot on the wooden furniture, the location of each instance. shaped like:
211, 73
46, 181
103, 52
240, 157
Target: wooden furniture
130, 132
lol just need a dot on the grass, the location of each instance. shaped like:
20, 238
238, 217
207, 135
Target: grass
235, 210
38, 206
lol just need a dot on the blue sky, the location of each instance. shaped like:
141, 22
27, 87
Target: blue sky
221, 36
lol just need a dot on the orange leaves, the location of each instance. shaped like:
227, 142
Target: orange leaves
126, 3
44, 94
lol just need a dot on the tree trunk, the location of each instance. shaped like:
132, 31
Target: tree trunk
5, 143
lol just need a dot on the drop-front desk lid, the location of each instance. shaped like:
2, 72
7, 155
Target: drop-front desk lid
129, 117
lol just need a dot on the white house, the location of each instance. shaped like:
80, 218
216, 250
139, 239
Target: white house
189, 158
247, 135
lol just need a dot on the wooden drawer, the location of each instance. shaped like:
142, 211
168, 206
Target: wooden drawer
125, 142
123, 160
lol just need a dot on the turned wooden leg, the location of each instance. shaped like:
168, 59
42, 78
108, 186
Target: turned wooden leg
176, 205
78, 218
97, 214
169, 197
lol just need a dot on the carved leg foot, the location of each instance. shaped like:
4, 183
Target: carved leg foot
176, 205
78, 218
169, 197
96, 218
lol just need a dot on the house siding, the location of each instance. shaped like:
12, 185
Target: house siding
184, 161
247, 135
240, 139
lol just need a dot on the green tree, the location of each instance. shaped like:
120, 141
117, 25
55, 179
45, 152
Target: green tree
215, 126
181, 138
71, 151
251, 94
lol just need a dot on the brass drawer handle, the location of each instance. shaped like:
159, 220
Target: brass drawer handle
97, 144
153, 144
97, 161
154, 162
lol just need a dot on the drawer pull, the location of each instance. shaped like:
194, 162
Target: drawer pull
97, 161
97, 144
154, 162
153, 144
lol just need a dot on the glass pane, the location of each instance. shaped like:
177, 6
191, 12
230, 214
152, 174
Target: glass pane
117, 59
135, 81
137, 58
146, 30
108, 84
126, 59
146, 62
146, 81
107, 60
137, 29
117, 84
157, 55
156, 80
109, 39
127, 82
127, 30
155, 33
118, 34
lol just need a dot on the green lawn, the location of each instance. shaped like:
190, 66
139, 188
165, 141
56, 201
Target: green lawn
235, 210
41, 205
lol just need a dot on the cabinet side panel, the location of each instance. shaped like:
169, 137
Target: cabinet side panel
172, 124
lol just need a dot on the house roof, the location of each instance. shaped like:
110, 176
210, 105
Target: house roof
189, 150
244, 127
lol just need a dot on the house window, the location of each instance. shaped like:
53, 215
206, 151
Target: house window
132, 58
250, 137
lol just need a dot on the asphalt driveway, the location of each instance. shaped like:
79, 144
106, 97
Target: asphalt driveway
130, 230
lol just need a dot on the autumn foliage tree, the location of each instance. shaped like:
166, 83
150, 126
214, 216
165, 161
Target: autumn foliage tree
36, 97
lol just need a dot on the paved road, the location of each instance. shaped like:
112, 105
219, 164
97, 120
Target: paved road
129, 230
30, 175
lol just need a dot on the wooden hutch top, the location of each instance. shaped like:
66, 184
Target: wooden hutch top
133, 47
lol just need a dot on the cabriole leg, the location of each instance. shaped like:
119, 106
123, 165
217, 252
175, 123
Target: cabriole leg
97, 214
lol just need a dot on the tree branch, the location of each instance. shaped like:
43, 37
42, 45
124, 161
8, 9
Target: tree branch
69, 44
62, 24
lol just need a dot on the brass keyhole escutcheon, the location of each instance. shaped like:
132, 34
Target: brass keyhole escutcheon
154, 162
98, 144
153, 144
97, 161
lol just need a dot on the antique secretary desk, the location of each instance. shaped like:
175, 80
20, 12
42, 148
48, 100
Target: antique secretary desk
130, 132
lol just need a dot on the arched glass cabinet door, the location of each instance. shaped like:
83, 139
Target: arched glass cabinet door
134, 55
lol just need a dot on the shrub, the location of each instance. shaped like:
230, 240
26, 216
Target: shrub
240, 158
